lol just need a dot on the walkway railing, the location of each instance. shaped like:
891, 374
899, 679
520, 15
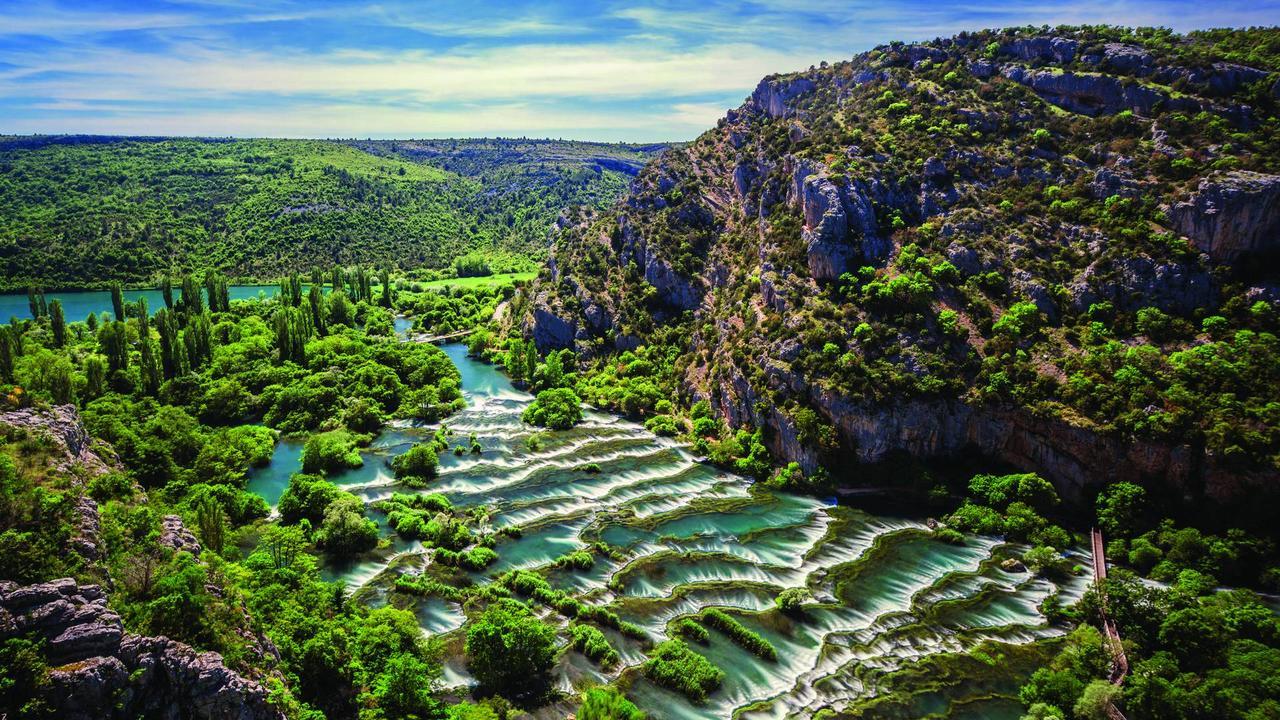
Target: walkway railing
1119, 662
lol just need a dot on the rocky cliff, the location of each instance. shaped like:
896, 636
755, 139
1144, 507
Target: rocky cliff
838, 256
100, 671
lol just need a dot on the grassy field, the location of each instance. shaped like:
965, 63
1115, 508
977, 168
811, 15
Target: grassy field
470, 282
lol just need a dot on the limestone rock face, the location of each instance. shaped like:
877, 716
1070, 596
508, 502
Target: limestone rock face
1231, 216
550, 330
1087, 94
839, 222
1043, 49
772, 94
100, 671
175, 535
63, 425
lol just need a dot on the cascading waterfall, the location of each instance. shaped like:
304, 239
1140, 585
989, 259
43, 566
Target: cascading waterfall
885, 592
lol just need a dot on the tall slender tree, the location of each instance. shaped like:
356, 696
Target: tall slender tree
192, 300
10, 349
315, 303
117, 300
166, 291
114, 343
58, 322
167, 328
388, 292
36, 302
95, 375
148, 367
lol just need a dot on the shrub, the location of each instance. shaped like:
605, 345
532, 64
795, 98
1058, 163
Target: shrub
509, 650
329, 452
740, 634
420, 461
606, 703
690, 629
672, 664
592, 643
557, 408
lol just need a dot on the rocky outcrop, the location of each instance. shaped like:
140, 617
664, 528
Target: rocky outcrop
1048, 49
175, 536
1137, 282
1232, 215
772, 95
100, 671
1089, 94
62, 424
73, 453
839, 221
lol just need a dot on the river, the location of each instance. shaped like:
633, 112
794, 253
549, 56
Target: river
888, 593
77, 304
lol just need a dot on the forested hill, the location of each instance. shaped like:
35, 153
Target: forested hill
79, 211
1054, 246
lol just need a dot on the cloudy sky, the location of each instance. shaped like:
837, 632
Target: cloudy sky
644, 71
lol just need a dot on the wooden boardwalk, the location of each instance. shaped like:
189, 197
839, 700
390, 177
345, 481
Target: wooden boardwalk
436, 339
1119, 662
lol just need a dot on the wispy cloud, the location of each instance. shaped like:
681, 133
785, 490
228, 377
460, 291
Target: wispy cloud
656, 69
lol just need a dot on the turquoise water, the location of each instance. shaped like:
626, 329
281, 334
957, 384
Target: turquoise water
886, 593
76, 305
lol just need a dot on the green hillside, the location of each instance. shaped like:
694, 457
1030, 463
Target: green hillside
84, 211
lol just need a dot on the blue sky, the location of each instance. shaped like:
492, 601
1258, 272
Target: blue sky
644, 71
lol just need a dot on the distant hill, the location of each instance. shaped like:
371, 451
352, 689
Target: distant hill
85, 210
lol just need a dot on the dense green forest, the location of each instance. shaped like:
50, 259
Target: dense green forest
134, 209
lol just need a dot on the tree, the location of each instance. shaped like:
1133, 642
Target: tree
117, 301
340, 311
557, 408
509, 650
329, 452
114, 343
307, 497
191, 302
345, 530
1120, 509
212, 523
170, 357
388, 292
316, 306
58, 323
149, 373
95, 375
36, 302
282, 543
1094, 701
418, 461
166, 292
403, 689
606, 703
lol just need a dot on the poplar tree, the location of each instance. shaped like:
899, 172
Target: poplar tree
167, 328
191, 302
166, 292
315, 302
95, 374
387, 300
10, 349
114, 342
59, 323
117, 301
149, 367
